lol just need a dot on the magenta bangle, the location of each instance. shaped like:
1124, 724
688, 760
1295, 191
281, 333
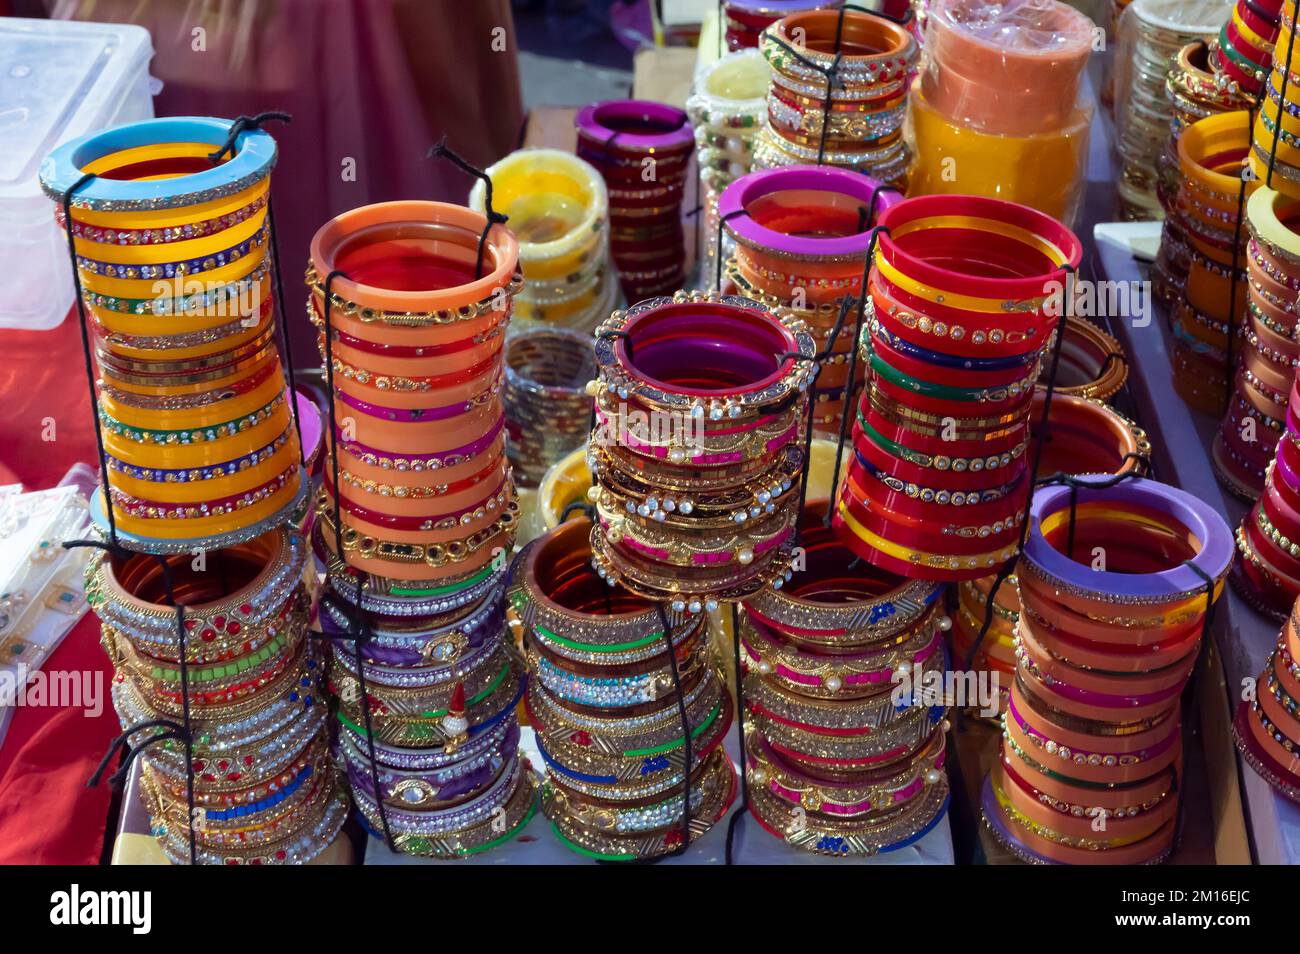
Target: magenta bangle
717, 459
372, 455
1181, 582
636, 125
704, 559
413, 415
737, 199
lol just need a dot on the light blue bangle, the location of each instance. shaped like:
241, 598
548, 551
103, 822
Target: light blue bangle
254, 155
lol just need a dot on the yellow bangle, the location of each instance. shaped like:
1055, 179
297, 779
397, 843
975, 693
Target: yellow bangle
156, 253
171, 491
227, 342
177, 217
149, 288
194, 527
202, 453
1262, 214
194, 418
183, 322
1253, 38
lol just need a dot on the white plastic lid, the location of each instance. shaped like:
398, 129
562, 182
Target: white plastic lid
59, 79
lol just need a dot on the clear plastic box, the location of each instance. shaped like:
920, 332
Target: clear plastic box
59, 79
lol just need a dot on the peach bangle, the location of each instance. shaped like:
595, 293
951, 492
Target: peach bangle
1091, 712
1103, 774
422, 572
417, 478
432, 537
1140, 683
1129, 849
1044, 604
182, 322
417, 367
1110, 798
501, 255
432, 507
1087, 742
417, 438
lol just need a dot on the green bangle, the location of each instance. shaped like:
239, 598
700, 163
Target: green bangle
442, 590
1253, 70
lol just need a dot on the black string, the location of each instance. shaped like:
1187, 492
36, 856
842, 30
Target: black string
86, 352
284, 324
577, 506
441, 150
241, 125
359, 627
717, 276
244, 124
1010, 564
1286, 77
740, 735
687, 749
847, 407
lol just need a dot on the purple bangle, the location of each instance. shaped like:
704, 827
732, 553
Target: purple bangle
415, 651
373, 455
403, 415
1180, 582
430, 785
736, 199
636, 125
780, 8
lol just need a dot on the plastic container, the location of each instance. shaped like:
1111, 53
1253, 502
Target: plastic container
59, 79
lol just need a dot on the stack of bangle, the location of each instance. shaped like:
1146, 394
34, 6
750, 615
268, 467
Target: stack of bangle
745, 20
199, 437
1275, 151
1268, 574
643, 151
1152, 34
1092, 362
1107, 638
1268, 355
726, 109
265, 791
962, 295
997, 110
801, 239
1266, 727
697, 452
1194, 92
1084, 437
415, 522
606, 695
548, 410
1243, 53
862, 63
844, 750
1210, 154
559, 211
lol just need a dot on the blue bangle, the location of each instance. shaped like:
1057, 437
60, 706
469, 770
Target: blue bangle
254, 155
